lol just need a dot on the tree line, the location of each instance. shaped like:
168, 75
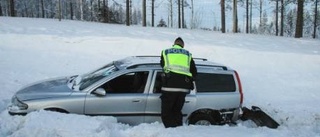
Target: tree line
292, 21
290, 18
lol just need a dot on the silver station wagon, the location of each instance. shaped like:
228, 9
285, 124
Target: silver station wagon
129, 89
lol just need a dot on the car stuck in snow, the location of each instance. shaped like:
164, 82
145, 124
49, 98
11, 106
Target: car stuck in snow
129, 89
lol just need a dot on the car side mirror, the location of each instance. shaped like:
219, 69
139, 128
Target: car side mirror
100, 92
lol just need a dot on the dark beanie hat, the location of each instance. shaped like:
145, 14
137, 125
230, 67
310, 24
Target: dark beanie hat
179, 41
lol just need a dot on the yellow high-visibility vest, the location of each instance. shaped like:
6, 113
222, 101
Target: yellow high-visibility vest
177, 60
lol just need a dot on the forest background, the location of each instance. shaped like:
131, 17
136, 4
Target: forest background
289, 18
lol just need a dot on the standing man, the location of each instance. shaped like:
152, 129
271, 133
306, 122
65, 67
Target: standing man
179, 74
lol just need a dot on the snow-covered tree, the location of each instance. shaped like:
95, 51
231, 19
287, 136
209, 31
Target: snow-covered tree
162, 23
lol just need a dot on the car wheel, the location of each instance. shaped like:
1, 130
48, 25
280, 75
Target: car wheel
204, 119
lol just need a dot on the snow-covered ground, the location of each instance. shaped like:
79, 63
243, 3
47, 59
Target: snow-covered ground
280, 75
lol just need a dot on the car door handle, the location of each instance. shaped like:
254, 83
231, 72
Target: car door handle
187, 101
136, 100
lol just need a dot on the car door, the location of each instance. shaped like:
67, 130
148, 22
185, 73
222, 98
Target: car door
153, 108
125, 98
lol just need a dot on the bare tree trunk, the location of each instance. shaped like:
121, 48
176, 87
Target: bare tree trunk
25, 13
261, 12
235, 16
106, 6
25, 10
91, 10
171, 13
7, 8
130, 11
1, 14
152, 14
223, 16
144, 10
179, 16
42, 9
247, 16
192, 15
59, 10
81, 9
282, 18
315, 20
71, 11
182, 8
38, 8
65, 12
127, 13
12, 10
299, 25
251, 16
277, 11
104, 18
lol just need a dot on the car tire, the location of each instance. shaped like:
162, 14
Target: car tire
204, 119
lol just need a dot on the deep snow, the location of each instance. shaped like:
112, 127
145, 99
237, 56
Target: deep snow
281, 75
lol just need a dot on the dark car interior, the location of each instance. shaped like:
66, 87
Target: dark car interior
127, 83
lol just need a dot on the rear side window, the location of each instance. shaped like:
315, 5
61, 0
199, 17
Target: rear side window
207, 82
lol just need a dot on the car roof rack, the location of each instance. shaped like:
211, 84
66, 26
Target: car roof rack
203, 59
217, 66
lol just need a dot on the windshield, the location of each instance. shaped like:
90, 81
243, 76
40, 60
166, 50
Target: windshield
84, 81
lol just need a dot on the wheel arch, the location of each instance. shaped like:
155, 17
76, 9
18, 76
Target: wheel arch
56, 109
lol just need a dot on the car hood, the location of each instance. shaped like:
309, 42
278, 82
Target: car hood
45, 89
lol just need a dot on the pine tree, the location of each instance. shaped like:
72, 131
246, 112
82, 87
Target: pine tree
308, 24
263, 28
290, 22
162, 23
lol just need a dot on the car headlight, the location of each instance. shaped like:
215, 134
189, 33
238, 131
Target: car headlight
15, 102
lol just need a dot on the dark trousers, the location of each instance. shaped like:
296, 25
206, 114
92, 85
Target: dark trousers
171, 106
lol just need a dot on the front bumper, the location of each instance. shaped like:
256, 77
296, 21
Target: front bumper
17, 107
13, 110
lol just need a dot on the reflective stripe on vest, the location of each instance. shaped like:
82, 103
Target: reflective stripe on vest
177, 59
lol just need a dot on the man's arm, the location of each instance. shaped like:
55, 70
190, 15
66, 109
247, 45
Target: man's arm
193, 69
162, 60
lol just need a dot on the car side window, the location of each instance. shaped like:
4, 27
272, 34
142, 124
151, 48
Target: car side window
133, 82
210, 82
158, 82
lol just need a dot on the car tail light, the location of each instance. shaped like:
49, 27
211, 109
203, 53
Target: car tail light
240, 87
